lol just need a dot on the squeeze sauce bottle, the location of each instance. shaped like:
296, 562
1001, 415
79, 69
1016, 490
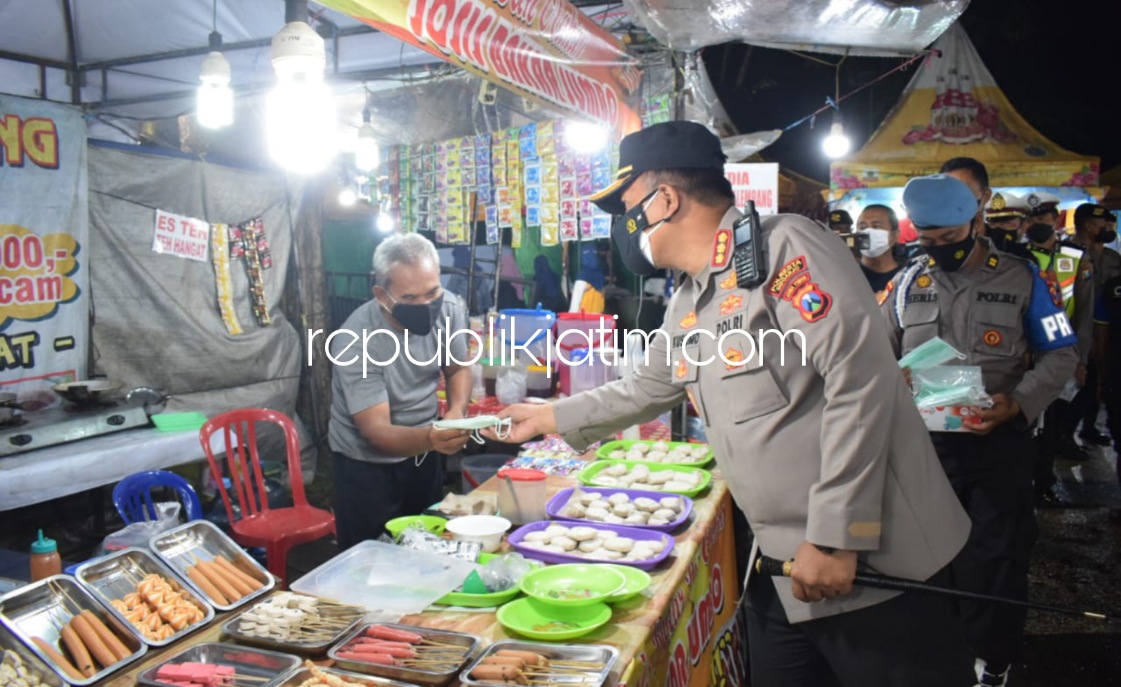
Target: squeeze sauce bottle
44, 558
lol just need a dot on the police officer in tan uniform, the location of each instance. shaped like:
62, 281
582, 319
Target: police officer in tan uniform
996, 310
808, 414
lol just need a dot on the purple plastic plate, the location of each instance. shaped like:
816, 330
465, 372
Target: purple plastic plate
558, 502
517, 537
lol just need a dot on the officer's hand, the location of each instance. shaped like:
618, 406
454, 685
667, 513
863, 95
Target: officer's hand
907, 376
1004, 408
1080, 374
817, 575
447, 441
530, 420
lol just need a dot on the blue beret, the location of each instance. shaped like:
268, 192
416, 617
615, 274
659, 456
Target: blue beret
937, 201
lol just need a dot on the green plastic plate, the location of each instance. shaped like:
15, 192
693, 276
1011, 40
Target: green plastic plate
604, 451
536, 620
588, 476
636, 582
488, 600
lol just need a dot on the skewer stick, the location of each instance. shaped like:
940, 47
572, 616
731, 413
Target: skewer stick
433, 642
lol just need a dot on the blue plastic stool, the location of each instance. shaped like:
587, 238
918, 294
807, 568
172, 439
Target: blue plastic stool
133, 498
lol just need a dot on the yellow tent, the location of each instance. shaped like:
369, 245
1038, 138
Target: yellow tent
952, 108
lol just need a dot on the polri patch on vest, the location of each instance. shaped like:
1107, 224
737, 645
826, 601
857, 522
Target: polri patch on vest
732, 323
721, 248
788, 271
796, 284
990, 297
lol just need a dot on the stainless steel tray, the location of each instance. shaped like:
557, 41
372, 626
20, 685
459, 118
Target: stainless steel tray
269, 667
116, 576
305, 648
414, 675
302, 675
40, 609
201, 540
9, 642
590, 653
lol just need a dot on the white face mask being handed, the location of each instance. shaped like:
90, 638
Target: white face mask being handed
474, 424
879, 242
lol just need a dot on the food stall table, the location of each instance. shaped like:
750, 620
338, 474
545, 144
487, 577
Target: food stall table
71, 468
683, 630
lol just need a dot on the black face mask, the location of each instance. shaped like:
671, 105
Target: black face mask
951, 256
417, 318
1040, 233
626, 232
1003, 239
1106, 236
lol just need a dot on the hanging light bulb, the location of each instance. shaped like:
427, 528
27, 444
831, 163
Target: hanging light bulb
384, 222
215, 107
300, 111
836, 144
586, 138
366, 150
348, 196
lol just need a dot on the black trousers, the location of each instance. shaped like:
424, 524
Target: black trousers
1086, 401
367, 495
992, 476
912, 640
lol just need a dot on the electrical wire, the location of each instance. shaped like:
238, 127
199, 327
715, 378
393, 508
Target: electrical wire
832, 103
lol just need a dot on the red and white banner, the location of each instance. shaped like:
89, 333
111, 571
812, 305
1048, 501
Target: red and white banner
183, 237
757, 181
44, 214
547, 50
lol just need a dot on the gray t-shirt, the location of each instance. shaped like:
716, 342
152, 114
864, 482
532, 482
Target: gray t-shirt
409, 388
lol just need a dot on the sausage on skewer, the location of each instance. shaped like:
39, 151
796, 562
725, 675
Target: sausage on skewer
77, 650
505, 674
101, 652
58, 658
204, 584
116, 645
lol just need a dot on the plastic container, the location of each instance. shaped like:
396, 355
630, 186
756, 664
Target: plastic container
523, 498
510, 387
522, 325
480, 468
45, 560
491, 368
578, 373
588, 323
540, 382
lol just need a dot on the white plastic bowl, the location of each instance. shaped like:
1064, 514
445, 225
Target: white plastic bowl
485, 529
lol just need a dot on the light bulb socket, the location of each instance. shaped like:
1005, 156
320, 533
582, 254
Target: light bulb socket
295, 10
365, 119
215, 41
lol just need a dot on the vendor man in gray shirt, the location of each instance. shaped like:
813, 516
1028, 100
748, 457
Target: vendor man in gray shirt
389, 459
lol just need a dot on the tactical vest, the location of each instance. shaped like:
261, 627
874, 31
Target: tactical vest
1060, 267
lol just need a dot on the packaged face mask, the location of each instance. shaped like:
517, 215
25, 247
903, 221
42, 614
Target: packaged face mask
930, 354
479, 422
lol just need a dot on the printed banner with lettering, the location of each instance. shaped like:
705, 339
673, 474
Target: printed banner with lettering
547, 50
44, 320
699, 640
757, 181
183, 237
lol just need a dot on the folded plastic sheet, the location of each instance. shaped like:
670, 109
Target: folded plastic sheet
858, 27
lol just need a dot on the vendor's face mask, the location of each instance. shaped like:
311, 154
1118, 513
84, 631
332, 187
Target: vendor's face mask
631, 232
879, 242
475, 424
418, 318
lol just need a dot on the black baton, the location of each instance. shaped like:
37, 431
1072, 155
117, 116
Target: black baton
776, 568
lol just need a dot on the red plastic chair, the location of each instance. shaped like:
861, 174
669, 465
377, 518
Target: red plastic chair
275, 529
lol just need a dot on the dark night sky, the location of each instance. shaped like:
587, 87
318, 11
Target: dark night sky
1040, 53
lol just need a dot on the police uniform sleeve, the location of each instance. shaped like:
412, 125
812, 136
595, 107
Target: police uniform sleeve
1083, 322
590, 416
1053, 344
817, 288
889, 306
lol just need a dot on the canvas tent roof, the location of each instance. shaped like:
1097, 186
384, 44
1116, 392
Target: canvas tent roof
953, 107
